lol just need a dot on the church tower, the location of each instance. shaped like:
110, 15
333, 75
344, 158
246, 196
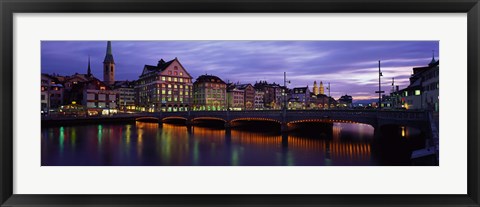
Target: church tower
432, 63
109, 66
315, 88
89, 70
322, 90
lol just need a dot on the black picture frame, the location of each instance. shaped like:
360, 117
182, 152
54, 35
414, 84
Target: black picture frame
10, 7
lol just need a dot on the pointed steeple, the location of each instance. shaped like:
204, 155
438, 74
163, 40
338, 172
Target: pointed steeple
433, 58
109, 55
89, 71
109, 66
109, 48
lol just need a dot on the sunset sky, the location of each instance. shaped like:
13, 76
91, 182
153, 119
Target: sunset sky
351, 67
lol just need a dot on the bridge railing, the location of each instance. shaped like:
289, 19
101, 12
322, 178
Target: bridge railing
391, 114
403, 115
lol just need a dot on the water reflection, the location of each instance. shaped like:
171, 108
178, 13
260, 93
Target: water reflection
153, 144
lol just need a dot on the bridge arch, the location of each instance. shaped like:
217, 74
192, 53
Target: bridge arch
255, 119
147, 119
326, 120
208, 118
174, 118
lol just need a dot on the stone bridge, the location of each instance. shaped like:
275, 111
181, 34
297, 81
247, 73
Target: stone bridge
418, 119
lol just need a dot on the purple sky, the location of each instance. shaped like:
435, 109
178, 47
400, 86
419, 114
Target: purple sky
350, 66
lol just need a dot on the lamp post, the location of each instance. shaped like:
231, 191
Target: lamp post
285, 92
379, 87
328, 88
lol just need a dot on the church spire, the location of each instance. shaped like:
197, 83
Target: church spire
109, 66
433, 58
109, 48
89, 71
109, 55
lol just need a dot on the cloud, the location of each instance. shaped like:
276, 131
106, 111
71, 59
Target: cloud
350, 66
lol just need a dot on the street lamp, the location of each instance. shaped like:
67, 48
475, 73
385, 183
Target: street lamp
285, 101
328, 88
379, 87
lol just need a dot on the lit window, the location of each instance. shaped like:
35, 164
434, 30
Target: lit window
417, 92
163, 91
181, 73
181, 80
163, 78
174, 86
175, 79
181, 86
169, 86
169, 78
169, 92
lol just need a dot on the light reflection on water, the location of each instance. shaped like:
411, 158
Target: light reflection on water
164, 145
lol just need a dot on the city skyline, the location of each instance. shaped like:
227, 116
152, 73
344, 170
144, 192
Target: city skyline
350, 66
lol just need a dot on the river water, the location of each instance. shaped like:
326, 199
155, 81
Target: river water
153, 144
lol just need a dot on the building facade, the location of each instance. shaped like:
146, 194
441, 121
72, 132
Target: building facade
320, 101
423, 91
166, 86
259, 96
52, 92
273, 96
209, 93
126, 95
249, 96
300, 98
99, 98
235, 98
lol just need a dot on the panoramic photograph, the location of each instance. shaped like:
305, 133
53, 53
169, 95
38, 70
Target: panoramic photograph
239, 103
